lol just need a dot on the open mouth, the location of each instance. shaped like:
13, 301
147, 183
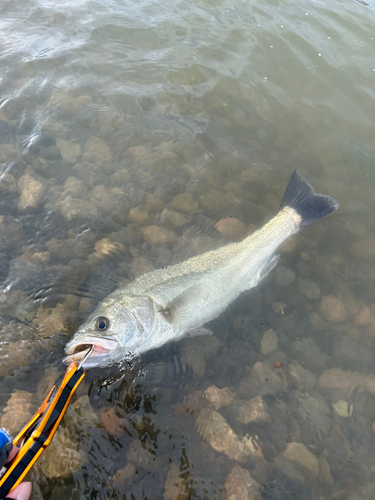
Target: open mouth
101, 347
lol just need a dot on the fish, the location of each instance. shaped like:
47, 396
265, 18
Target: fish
168, 304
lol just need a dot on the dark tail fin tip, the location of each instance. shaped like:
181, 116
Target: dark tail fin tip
311, 206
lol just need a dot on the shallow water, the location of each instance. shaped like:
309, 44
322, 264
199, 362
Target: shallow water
111, 106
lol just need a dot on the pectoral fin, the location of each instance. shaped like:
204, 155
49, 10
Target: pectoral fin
181, 307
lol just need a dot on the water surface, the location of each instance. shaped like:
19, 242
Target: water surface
108, 111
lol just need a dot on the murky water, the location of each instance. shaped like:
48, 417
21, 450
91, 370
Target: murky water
111, 109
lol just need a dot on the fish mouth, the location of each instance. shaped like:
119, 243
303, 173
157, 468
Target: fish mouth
102, 349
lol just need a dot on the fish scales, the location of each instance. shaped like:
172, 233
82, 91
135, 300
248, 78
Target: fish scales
169, 303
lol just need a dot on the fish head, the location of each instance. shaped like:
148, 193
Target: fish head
115, 330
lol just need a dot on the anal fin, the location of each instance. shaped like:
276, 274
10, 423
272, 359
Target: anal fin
271, 264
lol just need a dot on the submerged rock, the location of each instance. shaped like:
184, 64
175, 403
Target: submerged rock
255, 410
10, 232
308, 353
231, 228
62, 457
262, 380
96, 150
74, 208
284, 276
139, 216
79, 413
197, 350
123, 475
31, 192
184, 202
364, 249
298, 463
175, 485
219, 397
269, 343
17, 411
171, 219
300, 377
239, 485
17, 304
69, 150
333, 309
157, 236
309, 289
343, 382
214, 429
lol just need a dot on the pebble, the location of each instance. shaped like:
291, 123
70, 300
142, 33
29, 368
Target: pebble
300, 377
74, 208
324, 471
17, 411
184, 202
333, 309
105, 248
171, 219
262, 380
138, 151
231, 228
122, 475
197, 350
139, 456
157, 236
288, 246
139, 216
69, 150
74, 187
269, 343
219, 397
255, 410
298, 463
364, 317
214, 429
239, 485
308, 353
232, 187
364, 249
111, 422
8, 183
10, 232
309, 289
175, 487
153, 203
343, 408
50, 321
284, 276
248, 176
96, 150
31, 192
343, 382
17, 304
62, 457
81, 412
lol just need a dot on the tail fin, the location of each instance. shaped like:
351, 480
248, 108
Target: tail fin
309, 205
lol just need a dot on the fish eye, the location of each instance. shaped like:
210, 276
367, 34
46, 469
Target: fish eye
102, 323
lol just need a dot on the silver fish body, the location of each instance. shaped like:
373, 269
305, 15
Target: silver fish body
166, 304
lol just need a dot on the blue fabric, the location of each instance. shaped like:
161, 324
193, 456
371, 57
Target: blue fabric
4, 438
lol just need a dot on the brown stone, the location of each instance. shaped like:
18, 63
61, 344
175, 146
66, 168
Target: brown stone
333, 309
239, 485
219, 397
157, 236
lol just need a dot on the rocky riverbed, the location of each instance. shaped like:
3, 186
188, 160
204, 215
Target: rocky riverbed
132, 139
